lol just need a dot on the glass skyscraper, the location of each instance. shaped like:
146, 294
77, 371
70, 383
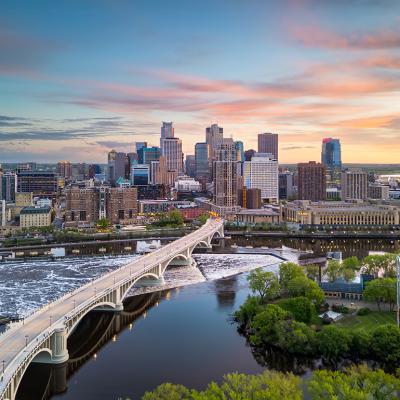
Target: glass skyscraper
331, 156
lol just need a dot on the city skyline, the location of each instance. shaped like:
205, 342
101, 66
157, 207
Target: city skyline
305, 70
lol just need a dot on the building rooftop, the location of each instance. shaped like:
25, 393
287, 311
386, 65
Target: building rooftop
257, 211
36, 210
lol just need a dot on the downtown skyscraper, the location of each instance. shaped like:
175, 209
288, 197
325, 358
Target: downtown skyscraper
268, 143
331, 157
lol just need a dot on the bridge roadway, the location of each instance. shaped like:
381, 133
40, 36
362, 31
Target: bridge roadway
36, 334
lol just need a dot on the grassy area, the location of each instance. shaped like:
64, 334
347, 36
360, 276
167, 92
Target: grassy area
367, 322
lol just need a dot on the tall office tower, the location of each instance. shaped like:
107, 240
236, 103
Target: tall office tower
354, 184
240, 150
225, 175
268, 143
331, 157
64, 169
167, 130
8, 186
262, 173
40, 183
248, 154
148, 154
190, 165
116, 166
172, 151
160, 175
133, 158
201, 161
140, 174
214, 136
286, 183
311, 181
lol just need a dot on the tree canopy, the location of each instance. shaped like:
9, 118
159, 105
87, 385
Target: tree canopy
264, 283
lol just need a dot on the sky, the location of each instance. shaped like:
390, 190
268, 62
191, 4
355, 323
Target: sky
81, 77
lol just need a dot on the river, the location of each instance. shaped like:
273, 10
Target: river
183, 335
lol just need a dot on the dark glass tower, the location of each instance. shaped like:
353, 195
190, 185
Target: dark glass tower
331, 157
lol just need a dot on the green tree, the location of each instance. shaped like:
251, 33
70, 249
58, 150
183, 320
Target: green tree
351, 263
269, 385
248, 310
302, 286
332, 271
263, 325
333, 342
373, 264
175, 217
295, 337
169, 391
264, 283
301, 308
360, 344
381, 290
289, 271
312, 271
385, 344
355, 383
348, 274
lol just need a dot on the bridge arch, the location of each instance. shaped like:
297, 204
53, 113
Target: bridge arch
129, 287
102, 304
44, 352
177, 257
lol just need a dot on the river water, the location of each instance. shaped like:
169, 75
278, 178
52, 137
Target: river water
183, 335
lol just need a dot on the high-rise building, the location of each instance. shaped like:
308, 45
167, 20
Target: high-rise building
40, 183
354, 184
201, 160
377, 191
172, 151
8, 185
116, 166
311, 181
268, 143
248, 154
94, 169
140, 174
190, 165
167, 130
286, 185
160, 175
148, 154
262, 173
214, 136
249, 198
64, 169
225, 175
240, 150
331, 157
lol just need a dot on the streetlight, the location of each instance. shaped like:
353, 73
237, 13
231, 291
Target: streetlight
26, 340
74, 304
50, 318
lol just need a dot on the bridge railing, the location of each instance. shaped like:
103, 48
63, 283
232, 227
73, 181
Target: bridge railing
13, 367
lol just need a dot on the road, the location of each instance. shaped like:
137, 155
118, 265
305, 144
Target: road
18, 339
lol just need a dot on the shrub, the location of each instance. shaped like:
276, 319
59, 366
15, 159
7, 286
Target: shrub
340, 309
363, 311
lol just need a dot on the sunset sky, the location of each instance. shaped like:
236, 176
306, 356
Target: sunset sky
78, 78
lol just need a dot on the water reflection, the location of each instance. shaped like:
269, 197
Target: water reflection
42, 381
225, 290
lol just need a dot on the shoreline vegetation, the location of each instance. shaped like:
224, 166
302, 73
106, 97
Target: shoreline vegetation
357, 382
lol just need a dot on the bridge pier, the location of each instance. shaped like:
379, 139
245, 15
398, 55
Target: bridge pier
146, 282
58, 347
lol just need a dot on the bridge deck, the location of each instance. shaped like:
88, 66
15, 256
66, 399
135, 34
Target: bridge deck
18, 341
